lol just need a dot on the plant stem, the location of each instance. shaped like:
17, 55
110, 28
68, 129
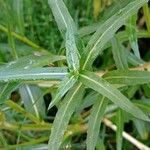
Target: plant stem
22, 38
128, 137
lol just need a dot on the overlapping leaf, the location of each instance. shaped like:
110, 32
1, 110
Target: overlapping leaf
103, 87
107, 30
63, 115
65, 85
94, 123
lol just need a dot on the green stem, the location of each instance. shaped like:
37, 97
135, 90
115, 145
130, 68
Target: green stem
147, 16
22, 39
30, 143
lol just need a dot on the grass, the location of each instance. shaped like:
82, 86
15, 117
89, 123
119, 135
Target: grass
74, 74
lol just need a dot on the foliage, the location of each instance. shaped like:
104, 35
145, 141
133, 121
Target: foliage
56, 86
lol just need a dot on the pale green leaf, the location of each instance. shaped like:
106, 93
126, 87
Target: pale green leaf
94, 123
63, 115
120, 127
54, 73
103, 87
18, 13
67, 26
31, 61
64, 87
72, 53
107, 30
61, 14
119, 54
132, 35
127, 77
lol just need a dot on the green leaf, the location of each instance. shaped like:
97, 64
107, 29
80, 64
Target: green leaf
88, 101
61, 14
21, 110
72, 53
18, 13
135, 61
66, 24
103, 87
94, 123
147, 16
132, 34
64, 87
127, 77
107, 30
31, 61
110, 11
54, 73
6, 90
71, 100
120, 127
119, 54
32, 97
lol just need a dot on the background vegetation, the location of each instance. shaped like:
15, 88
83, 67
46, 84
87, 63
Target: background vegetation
74, 74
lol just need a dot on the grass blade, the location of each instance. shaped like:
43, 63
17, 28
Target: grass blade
127, 77
107, 30
54, 73
94, 123
147, 16
63, 115
103, 87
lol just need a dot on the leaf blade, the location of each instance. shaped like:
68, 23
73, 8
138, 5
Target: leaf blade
54, 73
103, 87
94, 123
127, 77
107, 30
63, 115
65, 85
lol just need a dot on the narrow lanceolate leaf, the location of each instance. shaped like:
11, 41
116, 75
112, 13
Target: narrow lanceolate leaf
107, 30
67, 26
132, 34
135, 61
94, 123
6, 90
127, 77
120, 125
103, 87
31, 61
19, 12
63, 115
72, 53
32, 97
61, 15
54, 73
64, 87
119, 54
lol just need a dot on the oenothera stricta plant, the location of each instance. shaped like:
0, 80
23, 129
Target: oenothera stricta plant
79, 74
